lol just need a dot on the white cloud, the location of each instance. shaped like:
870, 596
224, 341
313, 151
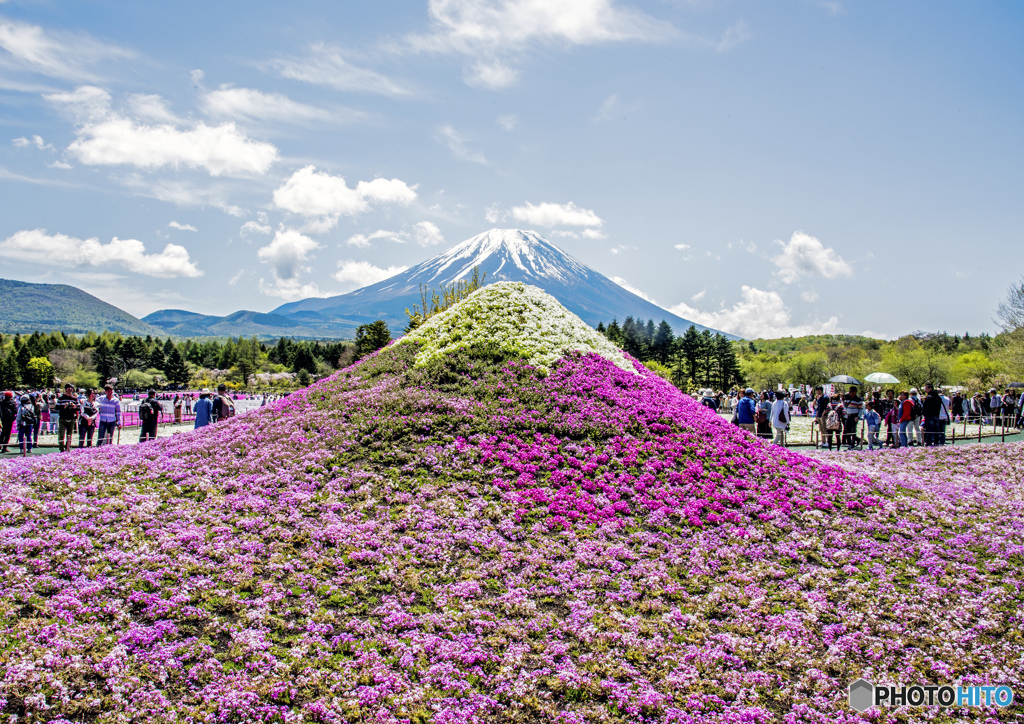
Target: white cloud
358, 274
254, 227
38, 247
682, 247
492, 75
250, 104
290, 289
60, 164
220, 150
809, 296
758, 314
508, 123
425, 233
699, 295
36, 141
287, 252
493, 34
236, 278
58, 55
182, 227
550, 215
593, 234
457, 143
151, 107
804, 255
319, 194
326, 66
630, 288
110, 138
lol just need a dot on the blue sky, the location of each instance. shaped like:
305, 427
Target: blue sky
764, 168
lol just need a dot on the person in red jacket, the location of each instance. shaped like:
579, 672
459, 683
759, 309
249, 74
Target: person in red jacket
906, 417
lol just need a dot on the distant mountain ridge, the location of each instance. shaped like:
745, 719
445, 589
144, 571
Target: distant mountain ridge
505, 255
29, 307
502, 254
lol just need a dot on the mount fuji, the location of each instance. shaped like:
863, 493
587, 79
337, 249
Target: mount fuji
505, 255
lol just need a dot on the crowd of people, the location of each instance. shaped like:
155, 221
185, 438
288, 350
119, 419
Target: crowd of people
88, 416
908, 418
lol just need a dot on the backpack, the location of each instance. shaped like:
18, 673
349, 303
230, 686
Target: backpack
28, 416
227, 408
917, 410
833, 421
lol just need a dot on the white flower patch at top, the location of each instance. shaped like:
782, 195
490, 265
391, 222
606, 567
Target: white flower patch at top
519, 318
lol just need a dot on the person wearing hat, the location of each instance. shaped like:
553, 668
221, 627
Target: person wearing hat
914, 433
223, 408
745, 410
68, 409
149, 416
8, 414
110, 415
204, 408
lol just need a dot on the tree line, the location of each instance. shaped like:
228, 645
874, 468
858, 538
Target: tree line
694, 359
91, 359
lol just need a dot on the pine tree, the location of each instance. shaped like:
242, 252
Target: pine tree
614, 333
726, 362
103, 360
689, 350
600, 327
371, 337
175, 368
707, 359
10, 378
662, 343
157, 359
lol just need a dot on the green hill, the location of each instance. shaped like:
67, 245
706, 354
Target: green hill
30, 307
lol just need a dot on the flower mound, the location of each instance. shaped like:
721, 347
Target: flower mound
521, 320
469, 540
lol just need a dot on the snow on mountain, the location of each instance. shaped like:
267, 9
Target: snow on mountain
504, 255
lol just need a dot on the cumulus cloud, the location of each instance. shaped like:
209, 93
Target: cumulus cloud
109, 138
290, 289
425, 233
494, 34
551, 215
287, 253
804, 255
458, 145
67, 56
182, 227
327, 66
319, 194
358, 274
250, 104
757, 314
38, 247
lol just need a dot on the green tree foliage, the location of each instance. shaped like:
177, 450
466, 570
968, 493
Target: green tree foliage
175, 368
371, 337
39, 372
10, 376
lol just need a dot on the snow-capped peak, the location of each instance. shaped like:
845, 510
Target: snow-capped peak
507, 253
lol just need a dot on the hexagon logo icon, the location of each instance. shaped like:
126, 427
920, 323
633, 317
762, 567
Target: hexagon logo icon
862, 695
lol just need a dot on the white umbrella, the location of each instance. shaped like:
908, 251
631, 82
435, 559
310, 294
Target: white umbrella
882, 378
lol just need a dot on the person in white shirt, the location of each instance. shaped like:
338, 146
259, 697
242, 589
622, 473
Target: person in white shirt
944, 416
780, 417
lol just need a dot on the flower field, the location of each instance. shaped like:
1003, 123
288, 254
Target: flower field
470, 537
